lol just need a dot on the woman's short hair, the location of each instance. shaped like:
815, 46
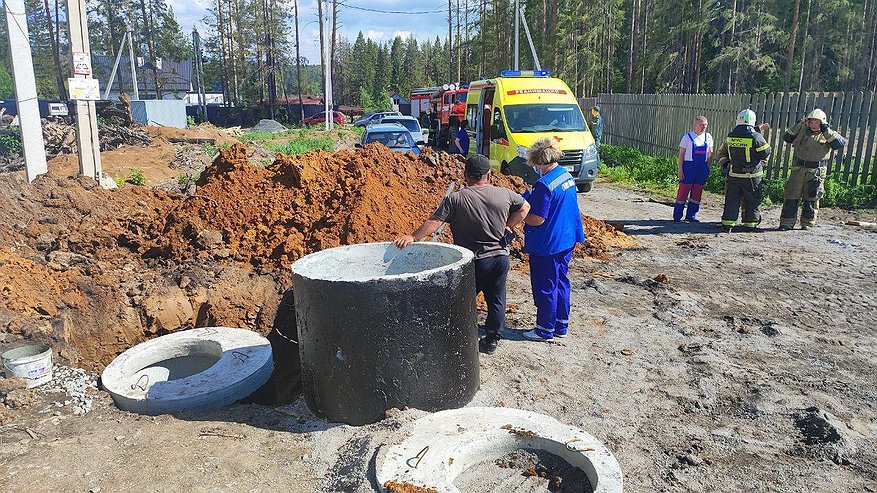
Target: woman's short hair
543, 152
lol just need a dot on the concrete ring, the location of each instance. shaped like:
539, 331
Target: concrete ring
441, 446
193, 370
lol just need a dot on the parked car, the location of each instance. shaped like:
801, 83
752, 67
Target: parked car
411, 124
338, 117
375, 117
393, 135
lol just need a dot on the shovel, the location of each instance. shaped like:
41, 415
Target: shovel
441, 228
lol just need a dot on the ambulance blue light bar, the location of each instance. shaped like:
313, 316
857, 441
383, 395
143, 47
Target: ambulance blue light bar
525, 73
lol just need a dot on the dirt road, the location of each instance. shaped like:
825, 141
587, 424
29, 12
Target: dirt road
704, 361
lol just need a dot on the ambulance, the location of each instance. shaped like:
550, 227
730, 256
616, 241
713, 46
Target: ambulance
507, 114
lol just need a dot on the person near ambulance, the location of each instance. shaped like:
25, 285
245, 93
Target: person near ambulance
742, 157
596, 125
551, 230
813, 140
461, 141
692, 168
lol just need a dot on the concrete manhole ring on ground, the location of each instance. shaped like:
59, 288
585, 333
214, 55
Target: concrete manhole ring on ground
441, 446
193, 370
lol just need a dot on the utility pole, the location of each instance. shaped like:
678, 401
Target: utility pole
32, 145
133, 64
87, 140
327, 69
517, 35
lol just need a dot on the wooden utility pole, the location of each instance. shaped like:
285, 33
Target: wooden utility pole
32, 145
87, 140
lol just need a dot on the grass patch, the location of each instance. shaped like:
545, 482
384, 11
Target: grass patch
302, 144
629, 166
253, 136
136, 177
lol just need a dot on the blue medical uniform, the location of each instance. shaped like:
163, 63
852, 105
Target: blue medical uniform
550, 246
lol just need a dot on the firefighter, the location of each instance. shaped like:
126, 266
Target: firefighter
742, 158
813, 140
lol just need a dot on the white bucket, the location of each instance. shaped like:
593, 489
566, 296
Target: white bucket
33, 363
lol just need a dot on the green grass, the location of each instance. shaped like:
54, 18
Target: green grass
209, 148
253, 136
136, 177
657, 175
302, 144
10, 144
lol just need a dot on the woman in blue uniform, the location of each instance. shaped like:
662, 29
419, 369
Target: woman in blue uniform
551, 231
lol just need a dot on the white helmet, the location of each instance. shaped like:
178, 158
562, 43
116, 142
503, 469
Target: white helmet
746, 117
818, 114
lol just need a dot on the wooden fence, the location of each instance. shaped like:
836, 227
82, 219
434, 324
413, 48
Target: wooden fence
655, 123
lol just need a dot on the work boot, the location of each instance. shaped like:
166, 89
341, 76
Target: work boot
806, 226
784, 227
488, 344
534, 335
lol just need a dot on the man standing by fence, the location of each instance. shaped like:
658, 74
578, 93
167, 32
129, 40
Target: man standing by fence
695, 152
743, 154
596, 125
813, 140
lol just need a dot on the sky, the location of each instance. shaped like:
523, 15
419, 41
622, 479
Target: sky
377, 26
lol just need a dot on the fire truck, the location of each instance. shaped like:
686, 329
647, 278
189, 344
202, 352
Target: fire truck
448, 107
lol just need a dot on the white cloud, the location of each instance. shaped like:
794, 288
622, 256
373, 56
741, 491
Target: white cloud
402, 34
377, 36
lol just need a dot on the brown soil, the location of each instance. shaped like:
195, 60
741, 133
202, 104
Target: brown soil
93, 272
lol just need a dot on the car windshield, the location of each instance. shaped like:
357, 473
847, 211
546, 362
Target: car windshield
461, 97
393, 140
411, 125
523, 118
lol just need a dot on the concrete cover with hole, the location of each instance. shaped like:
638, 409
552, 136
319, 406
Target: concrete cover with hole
441, 446
194, 370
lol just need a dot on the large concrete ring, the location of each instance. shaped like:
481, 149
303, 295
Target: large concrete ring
193, 370
441, 446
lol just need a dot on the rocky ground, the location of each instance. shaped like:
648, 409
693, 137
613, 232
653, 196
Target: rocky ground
704, 361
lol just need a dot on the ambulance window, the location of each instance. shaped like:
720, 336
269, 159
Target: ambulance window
497, 120
471, 114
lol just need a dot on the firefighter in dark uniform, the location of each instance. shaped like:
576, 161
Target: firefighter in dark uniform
742, 158
813, 140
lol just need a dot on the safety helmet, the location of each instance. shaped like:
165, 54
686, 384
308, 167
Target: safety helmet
818, 114
746, 117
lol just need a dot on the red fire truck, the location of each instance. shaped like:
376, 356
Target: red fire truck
448, 107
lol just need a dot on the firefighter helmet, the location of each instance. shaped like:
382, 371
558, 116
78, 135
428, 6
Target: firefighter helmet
746, 117
818, 114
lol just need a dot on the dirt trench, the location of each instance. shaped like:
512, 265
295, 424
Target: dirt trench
93, 272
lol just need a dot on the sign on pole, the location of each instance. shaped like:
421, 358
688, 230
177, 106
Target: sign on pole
84, 89
81, 64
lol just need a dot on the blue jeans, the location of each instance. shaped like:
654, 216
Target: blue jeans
550, 284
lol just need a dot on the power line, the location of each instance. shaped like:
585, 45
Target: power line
408, 12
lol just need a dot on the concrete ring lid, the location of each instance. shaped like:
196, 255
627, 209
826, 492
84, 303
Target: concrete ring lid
441, 446
365, 262
192, 370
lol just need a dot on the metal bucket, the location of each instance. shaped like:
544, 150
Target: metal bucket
33, 363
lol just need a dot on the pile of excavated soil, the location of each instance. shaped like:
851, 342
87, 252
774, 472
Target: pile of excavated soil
301, 204
93, 272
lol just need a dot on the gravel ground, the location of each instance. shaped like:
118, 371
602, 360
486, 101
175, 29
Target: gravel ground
704, 361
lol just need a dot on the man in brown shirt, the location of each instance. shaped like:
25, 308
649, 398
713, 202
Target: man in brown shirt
481, 216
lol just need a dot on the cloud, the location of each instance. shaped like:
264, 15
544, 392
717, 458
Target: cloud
374, 35
402, 34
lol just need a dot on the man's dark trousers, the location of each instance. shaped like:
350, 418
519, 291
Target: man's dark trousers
490, 279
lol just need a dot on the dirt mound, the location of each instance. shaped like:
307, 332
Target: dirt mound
602, 238
301, 204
